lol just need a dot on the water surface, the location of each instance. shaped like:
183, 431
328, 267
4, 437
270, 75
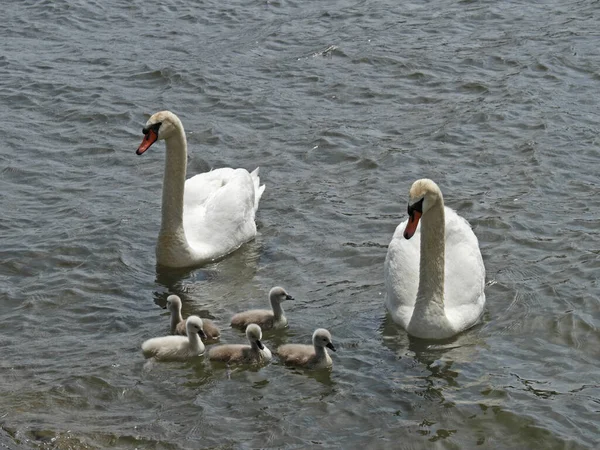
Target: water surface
343, 104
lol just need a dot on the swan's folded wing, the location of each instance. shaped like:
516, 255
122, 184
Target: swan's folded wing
465, 272
202, 186
224, 219
401, 273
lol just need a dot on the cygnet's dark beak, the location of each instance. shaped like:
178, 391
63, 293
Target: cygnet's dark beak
164, 307
201, 333
288, 297
260, 344
330, 345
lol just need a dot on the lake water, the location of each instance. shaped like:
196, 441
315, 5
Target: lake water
342, 104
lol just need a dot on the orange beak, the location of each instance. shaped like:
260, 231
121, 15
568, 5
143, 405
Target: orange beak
149, 138
411, 226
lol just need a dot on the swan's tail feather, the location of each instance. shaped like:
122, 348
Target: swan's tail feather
258, 189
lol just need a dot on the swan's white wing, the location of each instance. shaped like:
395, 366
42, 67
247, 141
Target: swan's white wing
199, 187
218, 212
401, 274
464, 285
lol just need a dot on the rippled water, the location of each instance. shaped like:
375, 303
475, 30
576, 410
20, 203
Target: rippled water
342, 104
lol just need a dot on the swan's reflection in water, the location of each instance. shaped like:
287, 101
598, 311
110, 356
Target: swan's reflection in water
213, 291
193, 284
443, 360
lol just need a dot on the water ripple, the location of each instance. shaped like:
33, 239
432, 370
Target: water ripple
342, 105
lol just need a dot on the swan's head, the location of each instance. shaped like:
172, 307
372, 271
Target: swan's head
254, 335
278, 294
193, 324
173, 303
161, 125
423, 194
322, 338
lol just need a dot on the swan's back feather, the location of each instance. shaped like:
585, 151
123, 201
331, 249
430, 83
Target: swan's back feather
219, 210
258, 189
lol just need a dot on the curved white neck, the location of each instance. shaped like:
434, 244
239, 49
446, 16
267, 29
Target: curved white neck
174, 184
195, 342
254, 346
176, 318
431, 269
320, 353
277, 309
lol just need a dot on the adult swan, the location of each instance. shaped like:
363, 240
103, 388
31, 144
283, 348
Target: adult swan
435, 280
207, 216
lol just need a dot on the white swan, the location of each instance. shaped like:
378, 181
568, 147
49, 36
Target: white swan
207, 216
266, 319
309, 356
177, 347
434, 281
255, 353
178, 325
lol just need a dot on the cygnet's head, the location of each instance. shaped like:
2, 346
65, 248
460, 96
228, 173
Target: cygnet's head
278, 294
193, 324
423, 194
254, 335
173, 303
161, 125
322, 338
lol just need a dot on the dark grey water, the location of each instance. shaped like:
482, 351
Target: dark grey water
342, 104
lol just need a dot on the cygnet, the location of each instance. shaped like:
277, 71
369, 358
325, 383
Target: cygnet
211, 331
309, 356
177, 347
255, 353
266, 319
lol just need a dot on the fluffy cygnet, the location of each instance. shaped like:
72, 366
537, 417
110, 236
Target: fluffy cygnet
309, 356
255, 353
211, 331
177, 347
263, 317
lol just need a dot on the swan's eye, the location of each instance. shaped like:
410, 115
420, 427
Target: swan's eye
153, 127
415, 207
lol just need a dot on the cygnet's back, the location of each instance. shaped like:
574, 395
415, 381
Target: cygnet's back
211, 331
177, 347
309, 356
266, 319
255, 353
